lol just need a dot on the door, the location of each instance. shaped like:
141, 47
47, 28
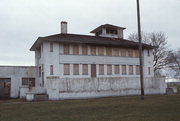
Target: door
93, 70
5, 87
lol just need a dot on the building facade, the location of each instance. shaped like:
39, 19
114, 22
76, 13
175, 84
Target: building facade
84, 66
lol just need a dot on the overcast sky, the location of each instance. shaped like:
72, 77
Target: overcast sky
23, 21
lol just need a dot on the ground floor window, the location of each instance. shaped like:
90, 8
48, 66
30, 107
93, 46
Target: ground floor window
28, 82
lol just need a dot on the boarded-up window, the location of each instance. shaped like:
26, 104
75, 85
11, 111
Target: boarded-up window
131, 70
76, 69
130, 52
51, 46
84, 50
137, 69
109, 69
101, 69
101, 51
116, 69
149, 70
66, 69
136, 53
116, 51
108, 51
51, 69
123, 52
93, 50
66, 48
75, 49
85, 69
28, 82
124, 70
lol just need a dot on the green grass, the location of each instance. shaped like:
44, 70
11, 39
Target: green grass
153, 108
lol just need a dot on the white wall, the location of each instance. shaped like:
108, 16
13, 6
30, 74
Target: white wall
67, 88
16, 73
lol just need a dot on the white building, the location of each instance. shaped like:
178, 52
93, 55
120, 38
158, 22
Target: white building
82, 66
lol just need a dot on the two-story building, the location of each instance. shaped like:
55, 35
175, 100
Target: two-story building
80, 66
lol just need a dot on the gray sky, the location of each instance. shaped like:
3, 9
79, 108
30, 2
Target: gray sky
23, 21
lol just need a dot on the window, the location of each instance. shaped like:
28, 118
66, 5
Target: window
66, 48
116, 69
130, 53
84, 50
123, 52
101, 69
66, 69
108, 51
43, 67
109, 69
116, 51
101, 51
123, 69
75, 49
148, 52
111, 31
40, 71
76, 69
137, 69
51, 46
93, 50
131, 72
149, 70
51, 69
85, 69
28, 81
136, 53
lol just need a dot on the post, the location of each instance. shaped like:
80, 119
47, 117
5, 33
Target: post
140, 51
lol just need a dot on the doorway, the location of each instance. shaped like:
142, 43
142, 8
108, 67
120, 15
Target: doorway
5, 87
93, 70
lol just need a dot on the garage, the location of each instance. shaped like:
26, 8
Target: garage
5, 88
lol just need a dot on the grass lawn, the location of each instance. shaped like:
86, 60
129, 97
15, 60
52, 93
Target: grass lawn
153, 108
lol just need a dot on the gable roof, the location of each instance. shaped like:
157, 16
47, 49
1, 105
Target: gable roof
87, 39
106, 26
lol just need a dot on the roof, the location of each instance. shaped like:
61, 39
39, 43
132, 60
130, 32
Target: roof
105, 26
87, 39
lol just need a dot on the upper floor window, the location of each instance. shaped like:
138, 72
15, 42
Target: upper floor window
51, 46
84, 50
93, 50
101, 51
76, 69
130, 52
66, 69
66, 48
136, 53
108, 51
123, 52
51, 70
75, 49
116, 51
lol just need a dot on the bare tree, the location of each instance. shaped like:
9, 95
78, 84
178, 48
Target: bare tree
160, 52
173, 59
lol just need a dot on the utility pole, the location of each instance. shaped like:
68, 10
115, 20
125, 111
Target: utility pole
140, 51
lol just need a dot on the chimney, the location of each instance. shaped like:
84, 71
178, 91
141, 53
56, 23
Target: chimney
63, 27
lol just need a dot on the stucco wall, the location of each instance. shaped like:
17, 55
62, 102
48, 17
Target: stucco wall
102, 87
16, 73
